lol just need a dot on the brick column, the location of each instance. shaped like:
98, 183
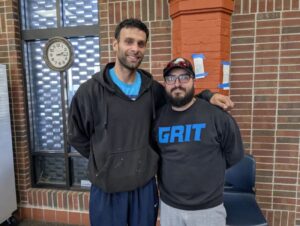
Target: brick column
203, 27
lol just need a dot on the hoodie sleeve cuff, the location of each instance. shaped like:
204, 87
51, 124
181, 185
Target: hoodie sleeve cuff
206, 95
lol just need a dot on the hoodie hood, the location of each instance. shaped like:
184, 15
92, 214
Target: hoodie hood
104, 79
106, 82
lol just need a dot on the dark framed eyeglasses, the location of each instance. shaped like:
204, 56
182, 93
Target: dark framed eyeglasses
183, 78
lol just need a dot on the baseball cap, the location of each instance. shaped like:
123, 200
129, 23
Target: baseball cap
179, 63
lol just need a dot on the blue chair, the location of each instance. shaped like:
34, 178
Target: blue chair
239, 195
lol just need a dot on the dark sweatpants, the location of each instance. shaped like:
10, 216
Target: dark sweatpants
134, 208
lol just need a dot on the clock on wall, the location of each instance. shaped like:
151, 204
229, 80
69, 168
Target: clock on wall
58, 54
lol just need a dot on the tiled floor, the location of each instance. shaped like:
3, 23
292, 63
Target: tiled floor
37, 223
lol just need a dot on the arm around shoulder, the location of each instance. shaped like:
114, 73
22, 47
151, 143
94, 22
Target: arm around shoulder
217, 99
205, 95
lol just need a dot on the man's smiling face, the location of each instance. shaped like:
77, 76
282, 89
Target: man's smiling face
130, 47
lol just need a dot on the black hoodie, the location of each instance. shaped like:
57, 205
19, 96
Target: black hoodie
113, 131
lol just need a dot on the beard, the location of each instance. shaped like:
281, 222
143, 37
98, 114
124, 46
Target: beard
179, 101
128, 65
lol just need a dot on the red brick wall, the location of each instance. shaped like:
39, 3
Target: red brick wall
39, 204
60, 205
265, 78
10, 55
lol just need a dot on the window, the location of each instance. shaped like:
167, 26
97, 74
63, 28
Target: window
54, 163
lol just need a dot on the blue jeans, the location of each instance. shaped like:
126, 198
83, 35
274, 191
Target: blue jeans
134, 208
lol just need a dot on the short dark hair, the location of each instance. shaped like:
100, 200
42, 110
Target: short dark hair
131, 23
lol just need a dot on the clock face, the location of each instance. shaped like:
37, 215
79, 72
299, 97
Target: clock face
58, 54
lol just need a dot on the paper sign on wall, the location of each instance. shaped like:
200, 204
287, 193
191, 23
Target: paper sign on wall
199, 66
226, 71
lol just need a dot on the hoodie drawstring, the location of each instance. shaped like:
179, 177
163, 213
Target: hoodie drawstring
105, 106
153, 104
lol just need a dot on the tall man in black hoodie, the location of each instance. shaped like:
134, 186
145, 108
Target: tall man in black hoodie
110, 124
197, 142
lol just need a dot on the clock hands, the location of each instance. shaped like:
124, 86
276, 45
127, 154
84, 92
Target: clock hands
61, 54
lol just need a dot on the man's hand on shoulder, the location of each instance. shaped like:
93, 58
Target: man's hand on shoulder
222, 101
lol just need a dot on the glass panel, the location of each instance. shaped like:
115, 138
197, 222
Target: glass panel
46, 101
80, 12
39, 14
44, 90
79, 172
86, 62
50, 170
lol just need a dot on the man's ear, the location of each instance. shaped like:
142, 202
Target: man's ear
115, 45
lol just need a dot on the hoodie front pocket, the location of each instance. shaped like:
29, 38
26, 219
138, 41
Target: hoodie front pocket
122, 170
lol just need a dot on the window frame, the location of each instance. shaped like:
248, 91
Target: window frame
32, 35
